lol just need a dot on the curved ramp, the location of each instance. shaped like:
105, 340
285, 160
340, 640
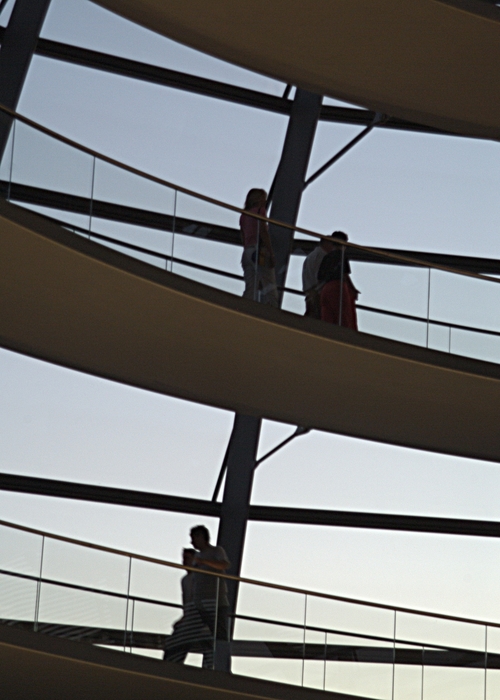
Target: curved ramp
422, 60
42, 667
75, 303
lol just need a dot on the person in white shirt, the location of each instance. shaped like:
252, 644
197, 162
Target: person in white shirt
210, 592
310, 277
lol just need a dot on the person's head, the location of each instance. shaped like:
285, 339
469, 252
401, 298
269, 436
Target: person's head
340, 235
255, 198
200, 536
188, 556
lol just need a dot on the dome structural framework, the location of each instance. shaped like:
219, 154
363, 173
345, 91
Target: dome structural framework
424, 61
486, 425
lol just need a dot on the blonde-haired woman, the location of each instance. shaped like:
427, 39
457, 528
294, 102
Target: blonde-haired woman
257, 260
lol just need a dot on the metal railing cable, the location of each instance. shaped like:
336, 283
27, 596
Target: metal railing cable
231, 207
240, 278
250, 581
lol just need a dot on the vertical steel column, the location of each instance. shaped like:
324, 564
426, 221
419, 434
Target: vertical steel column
18, 44
290, 176
241, 458
244, 440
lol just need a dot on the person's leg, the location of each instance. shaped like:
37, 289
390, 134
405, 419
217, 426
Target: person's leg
269, 289
222, 624
330, 300
177, 655
249, 273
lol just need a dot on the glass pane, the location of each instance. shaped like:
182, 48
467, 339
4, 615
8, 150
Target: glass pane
97, 617
453, 657
83, 566
360, 647
17, 601
197, 223
468, 302
493, 674
43, 162
20, 551
269, 646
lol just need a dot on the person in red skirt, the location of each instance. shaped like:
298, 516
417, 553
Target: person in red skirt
338, 293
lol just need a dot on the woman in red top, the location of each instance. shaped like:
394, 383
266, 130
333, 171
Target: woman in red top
257, 260
338, 294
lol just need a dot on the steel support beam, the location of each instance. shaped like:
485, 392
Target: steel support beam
136, 70
18, 45
290, 176
241, 459
244, 441
53, 488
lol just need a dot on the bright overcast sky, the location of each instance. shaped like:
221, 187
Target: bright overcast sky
394, 189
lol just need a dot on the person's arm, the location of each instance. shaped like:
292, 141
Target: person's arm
220, 564
264, 234
217, 564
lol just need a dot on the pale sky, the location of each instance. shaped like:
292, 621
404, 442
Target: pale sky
395, 189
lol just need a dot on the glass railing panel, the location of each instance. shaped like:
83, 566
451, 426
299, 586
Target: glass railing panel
98, 618
493, 661
392, 287
197, 223
134, 209
477, 345
408, 672
149, 625
315, 659
268, 651
275, 632
360, 646
391, 327
114, 185
470, 302
155, 583
159, 242
84, 566
21, 557
18, 601
20, 552
192, 210
453, 655
42, 161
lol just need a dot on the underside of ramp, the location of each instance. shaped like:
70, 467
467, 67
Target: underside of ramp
70, 301
422, 60
39, 667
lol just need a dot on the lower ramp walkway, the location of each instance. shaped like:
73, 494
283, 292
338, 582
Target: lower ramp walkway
44, 668
73, 302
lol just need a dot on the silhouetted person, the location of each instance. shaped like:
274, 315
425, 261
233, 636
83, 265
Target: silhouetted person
189, 633
338, 294
257, 261
310, 284
210, 592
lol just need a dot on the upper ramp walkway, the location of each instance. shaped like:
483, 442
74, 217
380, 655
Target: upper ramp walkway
69, 300
73, 302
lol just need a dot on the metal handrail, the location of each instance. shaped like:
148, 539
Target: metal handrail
232, 207
242, 579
